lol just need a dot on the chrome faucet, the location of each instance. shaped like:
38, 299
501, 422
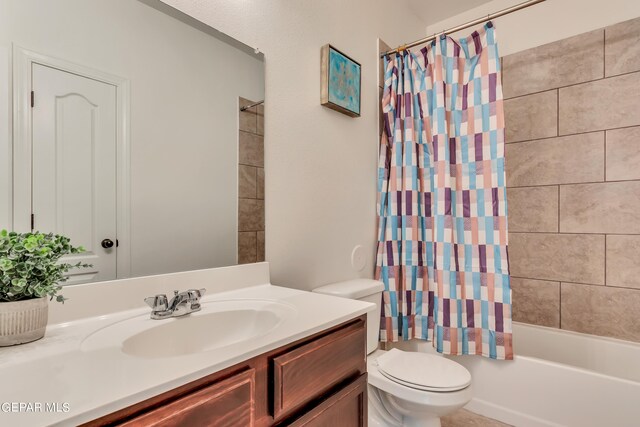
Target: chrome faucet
182, 303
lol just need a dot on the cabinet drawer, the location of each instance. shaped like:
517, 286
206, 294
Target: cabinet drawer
345, 408
228, 403
307, 372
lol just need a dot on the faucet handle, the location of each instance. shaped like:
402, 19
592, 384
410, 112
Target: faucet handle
157, 303
196, 294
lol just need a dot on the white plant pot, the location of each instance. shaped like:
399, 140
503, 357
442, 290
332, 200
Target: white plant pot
23, 321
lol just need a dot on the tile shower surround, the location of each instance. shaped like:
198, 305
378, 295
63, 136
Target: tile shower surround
251, 184
572, 112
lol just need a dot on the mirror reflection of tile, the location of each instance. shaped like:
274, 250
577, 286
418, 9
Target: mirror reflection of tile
251, 184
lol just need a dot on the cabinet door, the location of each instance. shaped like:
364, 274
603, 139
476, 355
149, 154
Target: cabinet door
228, 403
345, 408
310, 371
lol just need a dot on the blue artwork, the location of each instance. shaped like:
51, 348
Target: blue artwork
344, 82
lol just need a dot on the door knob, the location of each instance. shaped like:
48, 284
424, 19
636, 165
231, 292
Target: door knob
107, 243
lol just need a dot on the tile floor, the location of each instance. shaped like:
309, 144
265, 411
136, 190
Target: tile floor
464, 418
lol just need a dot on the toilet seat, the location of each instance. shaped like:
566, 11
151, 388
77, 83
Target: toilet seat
395, 391
422, 371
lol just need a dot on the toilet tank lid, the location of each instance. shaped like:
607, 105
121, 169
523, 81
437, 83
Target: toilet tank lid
352, 289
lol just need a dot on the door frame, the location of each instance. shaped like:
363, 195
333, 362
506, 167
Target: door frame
6, 131
23, 60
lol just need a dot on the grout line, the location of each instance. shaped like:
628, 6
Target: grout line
534, 186
251, 133
574, 283
604, 53
571, 134
560, 305
557, 112
600, 286
615, 181
572, 84
575, 183
540, 280
558, 209
605, 156
569, 233
605, 260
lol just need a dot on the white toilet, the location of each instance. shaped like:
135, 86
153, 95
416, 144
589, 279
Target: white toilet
405, 388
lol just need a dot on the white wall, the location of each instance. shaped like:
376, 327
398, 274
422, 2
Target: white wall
320, 164
545, 22
184, 111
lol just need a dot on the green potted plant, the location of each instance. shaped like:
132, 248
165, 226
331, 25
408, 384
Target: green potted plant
30, 275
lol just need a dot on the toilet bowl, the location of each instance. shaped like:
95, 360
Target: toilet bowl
405, 388
397, 403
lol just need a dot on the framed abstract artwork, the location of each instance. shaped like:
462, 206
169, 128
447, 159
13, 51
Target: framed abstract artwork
341, 81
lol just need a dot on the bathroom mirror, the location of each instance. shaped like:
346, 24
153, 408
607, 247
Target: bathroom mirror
123, 130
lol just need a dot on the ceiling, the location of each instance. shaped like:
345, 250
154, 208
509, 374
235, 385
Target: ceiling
432, 11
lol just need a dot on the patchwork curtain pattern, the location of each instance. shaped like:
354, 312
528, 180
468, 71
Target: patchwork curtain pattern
442, 226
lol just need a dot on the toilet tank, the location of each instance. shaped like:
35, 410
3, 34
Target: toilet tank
363, 290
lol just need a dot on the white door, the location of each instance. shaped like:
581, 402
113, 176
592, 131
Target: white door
74, 166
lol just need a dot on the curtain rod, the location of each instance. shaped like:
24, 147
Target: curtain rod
475, 22
252, 105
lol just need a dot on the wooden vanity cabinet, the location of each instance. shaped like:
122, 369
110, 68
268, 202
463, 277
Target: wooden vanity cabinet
346, 407
231, 399
302, 374
320, 380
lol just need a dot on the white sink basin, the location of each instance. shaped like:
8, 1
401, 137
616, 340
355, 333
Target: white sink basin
219, 324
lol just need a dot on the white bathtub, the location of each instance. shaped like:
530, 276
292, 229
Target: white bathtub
558, 378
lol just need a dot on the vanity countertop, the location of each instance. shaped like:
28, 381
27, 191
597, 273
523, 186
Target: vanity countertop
81, 384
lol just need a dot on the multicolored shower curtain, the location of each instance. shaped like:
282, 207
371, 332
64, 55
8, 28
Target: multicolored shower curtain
442, 228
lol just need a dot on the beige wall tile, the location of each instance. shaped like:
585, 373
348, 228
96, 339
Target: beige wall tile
610, 207
533, 209
251, 150
382, 47
623, 154
623, 261
601, 310
248, 121
557, 257
247, 247
622, 47
603, 104
247, 185
531, 116
260, 183
574, 60
260, 120
260, 245
536, 302
569, 159
243, 102
250, 215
